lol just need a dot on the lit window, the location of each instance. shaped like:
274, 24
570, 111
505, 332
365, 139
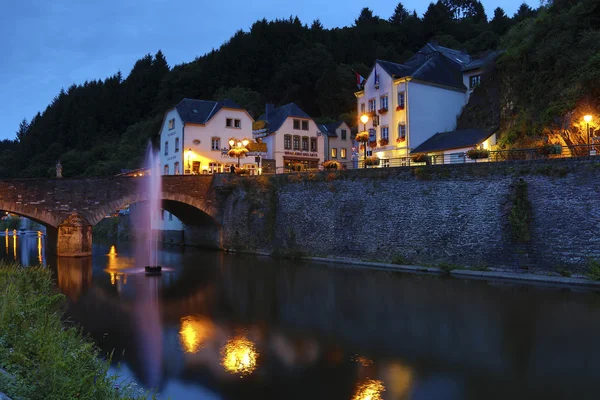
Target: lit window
474, 81
176, 145
287, 142
304, 125
385, 132
333, 152
229, 122
166, 170
401, 100
372, 105
304, 143
296, 142
383, 102
172, 124
343, 153
402, 132
215, 143
237, 123
343, 134
177, 168
384, 162
297, 124
313, 145
166, 148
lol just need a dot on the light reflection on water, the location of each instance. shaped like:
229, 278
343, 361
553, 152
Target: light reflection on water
307, 331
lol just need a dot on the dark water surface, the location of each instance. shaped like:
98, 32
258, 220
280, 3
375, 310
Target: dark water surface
223, 326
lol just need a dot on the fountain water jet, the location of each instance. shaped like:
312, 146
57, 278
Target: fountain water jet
147, 243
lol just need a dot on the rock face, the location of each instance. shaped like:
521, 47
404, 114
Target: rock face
456, 214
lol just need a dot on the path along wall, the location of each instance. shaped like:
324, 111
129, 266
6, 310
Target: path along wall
430, 215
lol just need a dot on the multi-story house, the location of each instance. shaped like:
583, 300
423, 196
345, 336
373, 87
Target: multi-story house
409, 103
195, 135
338, 142
292, 139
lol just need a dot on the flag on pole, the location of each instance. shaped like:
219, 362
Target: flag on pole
360, 81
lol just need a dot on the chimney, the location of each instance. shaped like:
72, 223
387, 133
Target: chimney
269, 109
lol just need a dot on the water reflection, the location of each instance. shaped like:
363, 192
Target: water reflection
339, 333
194, 332
74, 276
371, 389
239, 356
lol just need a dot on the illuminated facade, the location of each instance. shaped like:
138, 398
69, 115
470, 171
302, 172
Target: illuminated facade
409, 103
195, 132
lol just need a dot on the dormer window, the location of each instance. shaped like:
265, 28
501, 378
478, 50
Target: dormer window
297, 124
172, 124
474, 81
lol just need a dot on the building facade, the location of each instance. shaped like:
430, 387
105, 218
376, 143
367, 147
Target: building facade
338, 144
293, 139
409, 103
195, 135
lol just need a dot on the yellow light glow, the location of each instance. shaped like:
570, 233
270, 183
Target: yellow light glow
364, 361
112, 278
364, 118
112, 260
239, 356
15, 245
231, 142
193, 333
39, 247
6, 238
369, 390
245, 142
587, 118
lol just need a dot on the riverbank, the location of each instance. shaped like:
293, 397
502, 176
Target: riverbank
40, 357
483, 273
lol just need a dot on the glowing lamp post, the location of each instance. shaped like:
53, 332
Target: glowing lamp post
237, 149
588, 119
363, 137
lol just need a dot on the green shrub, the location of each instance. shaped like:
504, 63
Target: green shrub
47, 360
476, 154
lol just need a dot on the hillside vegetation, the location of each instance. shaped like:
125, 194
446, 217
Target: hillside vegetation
546, 78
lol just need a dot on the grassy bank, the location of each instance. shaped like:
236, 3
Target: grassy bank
46, 359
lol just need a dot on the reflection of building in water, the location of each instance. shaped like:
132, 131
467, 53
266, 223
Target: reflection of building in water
194, 332
370, 389
239, 356
74, 276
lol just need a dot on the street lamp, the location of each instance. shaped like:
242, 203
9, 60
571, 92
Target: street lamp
588, 119
189, 155
364, 119
237, 148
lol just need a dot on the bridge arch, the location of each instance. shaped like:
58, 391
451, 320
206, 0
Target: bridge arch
49, 220
199, 217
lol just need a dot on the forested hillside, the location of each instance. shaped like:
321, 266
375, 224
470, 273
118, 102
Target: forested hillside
550, 71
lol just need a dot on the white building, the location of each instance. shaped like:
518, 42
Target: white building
195, 135
337, 142
409, 103
292, 138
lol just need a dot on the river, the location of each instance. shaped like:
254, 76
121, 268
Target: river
222, 326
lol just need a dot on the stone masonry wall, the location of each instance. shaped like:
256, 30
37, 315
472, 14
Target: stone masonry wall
433, 215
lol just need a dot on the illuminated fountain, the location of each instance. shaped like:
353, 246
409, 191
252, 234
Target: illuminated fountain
371, 389
147, 245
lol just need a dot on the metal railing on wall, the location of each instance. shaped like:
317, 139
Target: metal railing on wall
542, 153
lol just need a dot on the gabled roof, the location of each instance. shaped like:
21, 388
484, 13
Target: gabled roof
332, 127
277, 117
453, 140
201, 111
482, 62
432, 63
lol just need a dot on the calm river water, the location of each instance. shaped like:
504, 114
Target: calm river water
220, 326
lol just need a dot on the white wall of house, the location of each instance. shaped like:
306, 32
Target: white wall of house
343, 147
169, 136
276, 143
431, 109
198, 141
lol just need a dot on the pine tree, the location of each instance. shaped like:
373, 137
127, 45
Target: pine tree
23, 128
400, 15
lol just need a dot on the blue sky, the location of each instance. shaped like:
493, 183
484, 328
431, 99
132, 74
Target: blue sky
49, 45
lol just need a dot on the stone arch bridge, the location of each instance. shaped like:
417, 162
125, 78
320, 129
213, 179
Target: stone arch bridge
68, 208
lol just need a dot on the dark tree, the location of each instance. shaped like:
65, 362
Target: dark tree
400, 15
